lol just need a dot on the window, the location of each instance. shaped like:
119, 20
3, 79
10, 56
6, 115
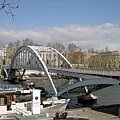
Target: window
2, 101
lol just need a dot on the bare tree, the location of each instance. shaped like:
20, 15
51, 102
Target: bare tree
72, 47
29, 41
26, 41
17, 44
9, 53
8, 6
58, 46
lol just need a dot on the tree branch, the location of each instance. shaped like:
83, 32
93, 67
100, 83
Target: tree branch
8, 6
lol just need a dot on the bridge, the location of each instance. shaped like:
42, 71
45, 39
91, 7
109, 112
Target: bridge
49, 60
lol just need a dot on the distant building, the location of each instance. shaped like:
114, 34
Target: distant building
3, 55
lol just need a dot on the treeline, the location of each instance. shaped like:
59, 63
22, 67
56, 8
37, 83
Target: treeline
18, 43
90, 58
58, 46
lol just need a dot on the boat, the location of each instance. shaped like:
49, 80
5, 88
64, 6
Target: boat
52, 104
87, 99
55, 105
27, 89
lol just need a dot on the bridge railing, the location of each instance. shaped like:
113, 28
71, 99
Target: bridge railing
10, 87
101, 72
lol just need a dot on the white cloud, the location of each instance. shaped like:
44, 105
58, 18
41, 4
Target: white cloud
84, 36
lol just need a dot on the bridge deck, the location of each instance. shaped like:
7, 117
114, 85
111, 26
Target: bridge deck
84, 72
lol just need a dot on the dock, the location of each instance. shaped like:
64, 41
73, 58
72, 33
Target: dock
73, 114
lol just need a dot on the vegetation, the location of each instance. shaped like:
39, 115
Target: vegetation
103, 59
91, 58
7, 7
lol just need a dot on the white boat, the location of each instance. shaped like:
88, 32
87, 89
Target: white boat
54, 105
51, 106
47, 106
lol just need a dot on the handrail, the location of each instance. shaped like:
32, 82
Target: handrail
10, 87
21, 112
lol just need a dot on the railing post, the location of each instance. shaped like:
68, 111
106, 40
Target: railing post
103, 72
110, 73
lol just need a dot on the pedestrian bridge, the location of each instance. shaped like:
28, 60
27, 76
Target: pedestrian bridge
49, 60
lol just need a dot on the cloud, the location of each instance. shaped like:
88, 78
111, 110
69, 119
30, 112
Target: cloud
84, 36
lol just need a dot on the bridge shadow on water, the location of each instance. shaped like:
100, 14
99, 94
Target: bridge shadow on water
110, 109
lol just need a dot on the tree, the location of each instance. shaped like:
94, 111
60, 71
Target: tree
7, 7
49, 45
27, 41
72, 47
58, 46
11, 45
31, 42
10, 52
17, 44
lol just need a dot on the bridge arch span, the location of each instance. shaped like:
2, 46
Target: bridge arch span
27, 58
30, 58
89, 82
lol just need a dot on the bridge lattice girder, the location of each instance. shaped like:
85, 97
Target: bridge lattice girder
32, 58
29, 58
88, 82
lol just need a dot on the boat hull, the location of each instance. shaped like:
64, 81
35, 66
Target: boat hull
54, 108
87, 99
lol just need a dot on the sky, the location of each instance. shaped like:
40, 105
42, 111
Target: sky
86, 23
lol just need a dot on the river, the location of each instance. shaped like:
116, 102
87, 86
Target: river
106, 96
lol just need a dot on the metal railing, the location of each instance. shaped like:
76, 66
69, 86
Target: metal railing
22, 112
10, 87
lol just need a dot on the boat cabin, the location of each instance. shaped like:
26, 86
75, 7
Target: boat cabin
6, 96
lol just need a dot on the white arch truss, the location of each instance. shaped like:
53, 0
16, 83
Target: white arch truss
29, 58
89, 82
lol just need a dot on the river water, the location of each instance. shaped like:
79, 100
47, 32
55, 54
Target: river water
106, 96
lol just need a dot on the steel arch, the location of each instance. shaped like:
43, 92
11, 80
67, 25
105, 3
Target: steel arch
52, 50
28, 57
89, 82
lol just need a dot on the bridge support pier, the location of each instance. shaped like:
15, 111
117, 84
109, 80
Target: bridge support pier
87, 99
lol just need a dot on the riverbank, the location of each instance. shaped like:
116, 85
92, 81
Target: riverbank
90, 114
75, 114
109, 112
109, 109
107, 96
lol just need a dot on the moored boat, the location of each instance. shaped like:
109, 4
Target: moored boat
87, 99
49, 105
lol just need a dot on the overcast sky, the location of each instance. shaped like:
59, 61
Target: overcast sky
86, 23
